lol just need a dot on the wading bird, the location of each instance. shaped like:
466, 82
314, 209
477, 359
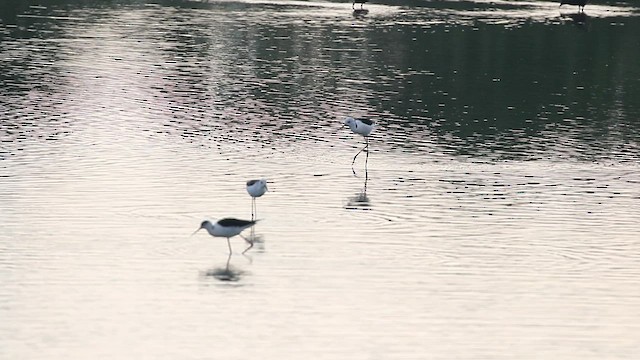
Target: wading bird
361, 2
228, 228
256, 188
362, 127
580, 3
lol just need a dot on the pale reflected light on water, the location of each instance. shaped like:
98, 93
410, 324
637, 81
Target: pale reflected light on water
497, 216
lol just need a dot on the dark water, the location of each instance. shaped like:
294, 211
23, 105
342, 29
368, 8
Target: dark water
498, 216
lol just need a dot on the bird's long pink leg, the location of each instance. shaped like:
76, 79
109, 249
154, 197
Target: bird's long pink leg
367, 158
250, 246
354, 158
255, 206
253, 202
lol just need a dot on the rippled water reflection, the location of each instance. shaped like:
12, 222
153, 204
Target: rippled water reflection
497, 217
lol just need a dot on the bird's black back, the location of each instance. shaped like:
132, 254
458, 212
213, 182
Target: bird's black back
229, 222
367, 121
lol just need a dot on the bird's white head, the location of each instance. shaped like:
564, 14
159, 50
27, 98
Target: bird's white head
351, 123
204, 225
349, 120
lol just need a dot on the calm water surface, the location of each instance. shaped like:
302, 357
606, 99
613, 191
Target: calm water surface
498, 216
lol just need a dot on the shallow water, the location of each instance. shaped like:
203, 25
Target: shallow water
497, 216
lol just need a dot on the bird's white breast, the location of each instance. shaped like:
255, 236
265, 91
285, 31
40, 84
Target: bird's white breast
361, 128
226, 231
257, 189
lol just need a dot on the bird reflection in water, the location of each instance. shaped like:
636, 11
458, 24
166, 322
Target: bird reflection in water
257, 240
225, 273
579, 18
360, 13
361, 200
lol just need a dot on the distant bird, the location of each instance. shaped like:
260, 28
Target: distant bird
580, 3
361, 2
256, 188
362, 127
228, 227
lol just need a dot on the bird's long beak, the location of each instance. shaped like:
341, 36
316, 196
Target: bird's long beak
196, 231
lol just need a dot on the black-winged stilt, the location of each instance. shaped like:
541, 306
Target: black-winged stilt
256, 188
362, 127
228, 228
580, 3
361, 2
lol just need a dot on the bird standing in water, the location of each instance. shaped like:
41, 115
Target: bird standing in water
361, 2
228, 228
256, 188
362, 127
580, 3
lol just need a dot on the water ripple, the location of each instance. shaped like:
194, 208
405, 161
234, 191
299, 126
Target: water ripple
499, 201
